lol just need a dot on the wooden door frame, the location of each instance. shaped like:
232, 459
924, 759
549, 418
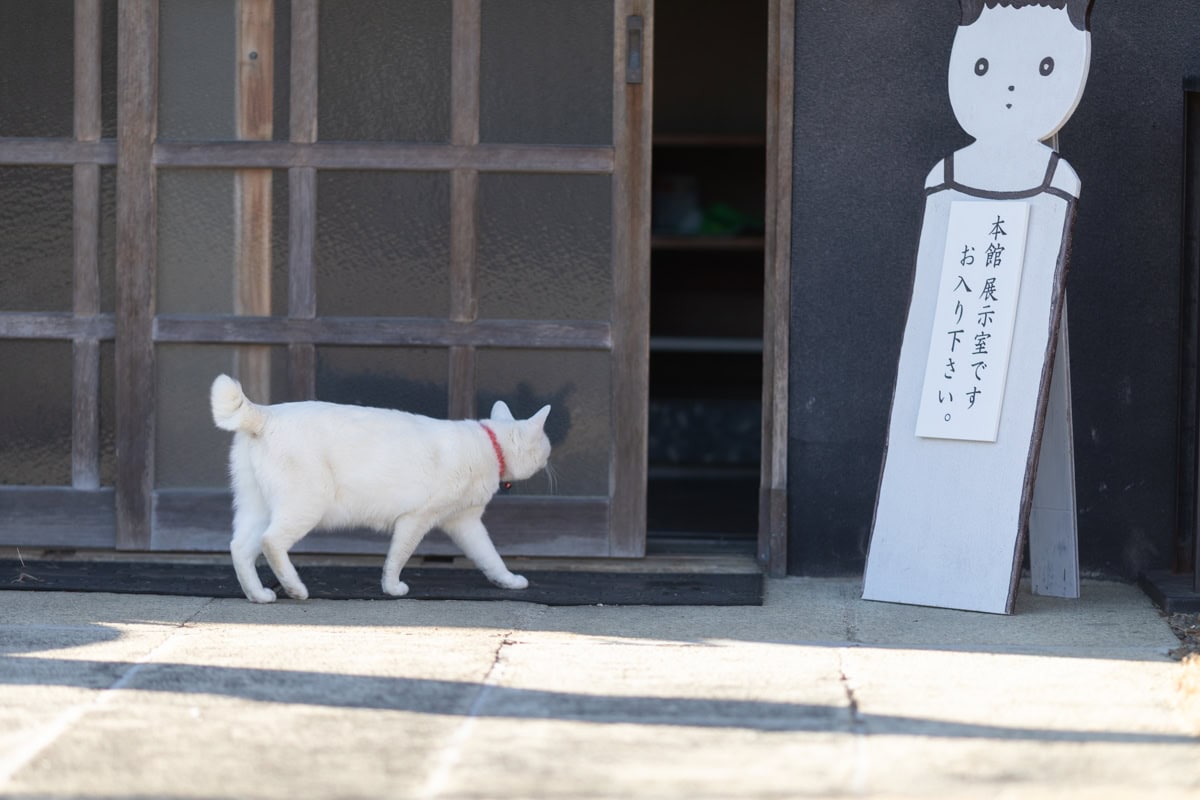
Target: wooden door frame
144, 514
84, 518
772, 510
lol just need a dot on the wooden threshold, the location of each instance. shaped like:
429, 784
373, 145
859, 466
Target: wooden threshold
662, 563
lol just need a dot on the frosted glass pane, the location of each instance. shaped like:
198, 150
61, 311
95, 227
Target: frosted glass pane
37, 68
197, 241
383, 244
36, 252
190, 451
546, 72
576, 385
197, 69
545, 246
384, 70
35, 422
410, 379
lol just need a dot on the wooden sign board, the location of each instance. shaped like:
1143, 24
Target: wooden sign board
958, 495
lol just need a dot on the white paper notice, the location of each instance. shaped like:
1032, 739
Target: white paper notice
973, 324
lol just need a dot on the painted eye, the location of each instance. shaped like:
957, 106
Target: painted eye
981, 67
1047, 66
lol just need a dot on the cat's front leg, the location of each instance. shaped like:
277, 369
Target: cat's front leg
406, 535
468, 532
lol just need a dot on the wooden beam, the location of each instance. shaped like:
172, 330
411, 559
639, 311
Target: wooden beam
772, 509
85, 415
384, 331
632, 112
137, 208
384, 156
56, 152
56, 325
302, 288
252, 187
464, 200
302, 197
464, 72
88, 31
85, 392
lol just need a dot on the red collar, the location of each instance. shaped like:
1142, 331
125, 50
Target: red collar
499, 455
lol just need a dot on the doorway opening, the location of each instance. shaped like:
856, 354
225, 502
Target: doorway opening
707, 266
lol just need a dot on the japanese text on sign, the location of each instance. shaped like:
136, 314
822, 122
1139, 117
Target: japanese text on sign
974, 319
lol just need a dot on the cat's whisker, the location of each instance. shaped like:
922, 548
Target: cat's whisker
552, 478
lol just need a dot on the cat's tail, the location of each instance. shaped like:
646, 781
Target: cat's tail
232, 410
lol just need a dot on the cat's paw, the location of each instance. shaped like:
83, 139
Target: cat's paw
395, 587
297, 592
511, 581
261, 596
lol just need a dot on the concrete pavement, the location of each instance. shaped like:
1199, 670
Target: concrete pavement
815, 694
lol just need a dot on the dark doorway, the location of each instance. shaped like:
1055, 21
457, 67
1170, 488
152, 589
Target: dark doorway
707, 255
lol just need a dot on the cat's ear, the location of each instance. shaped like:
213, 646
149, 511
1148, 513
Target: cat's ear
539, 418
500, 412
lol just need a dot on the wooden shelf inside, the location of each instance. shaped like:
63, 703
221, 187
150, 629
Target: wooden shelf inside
705, 344
713, 243
716, 140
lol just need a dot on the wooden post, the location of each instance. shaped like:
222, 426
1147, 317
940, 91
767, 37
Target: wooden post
302, 198
464, 200
137, 208
633, 105
252, 192
85, 448
772, 492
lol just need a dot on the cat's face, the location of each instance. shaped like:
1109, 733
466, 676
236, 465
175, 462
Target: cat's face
1017, 74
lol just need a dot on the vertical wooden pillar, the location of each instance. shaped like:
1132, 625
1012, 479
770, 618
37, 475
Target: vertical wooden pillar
137, 209
632, 114
464, 199
302, 198
85, 448
252, 192
772, 508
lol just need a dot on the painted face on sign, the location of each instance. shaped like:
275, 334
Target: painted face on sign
1017, 74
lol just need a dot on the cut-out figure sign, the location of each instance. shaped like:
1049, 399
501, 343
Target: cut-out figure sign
956, 501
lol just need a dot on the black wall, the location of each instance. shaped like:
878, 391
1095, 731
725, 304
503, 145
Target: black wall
872, 118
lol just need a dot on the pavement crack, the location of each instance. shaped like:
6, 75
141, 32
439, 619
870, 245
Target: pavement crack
857, 724
452, 753
860, 769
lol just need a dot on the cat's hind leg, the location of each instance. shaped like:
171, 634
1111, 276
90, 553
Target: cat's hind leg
251, 516
468, 532
406, 535
248, 529
283, 532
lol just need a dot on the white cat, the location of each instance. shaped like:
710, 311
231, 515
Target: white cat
299, 466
